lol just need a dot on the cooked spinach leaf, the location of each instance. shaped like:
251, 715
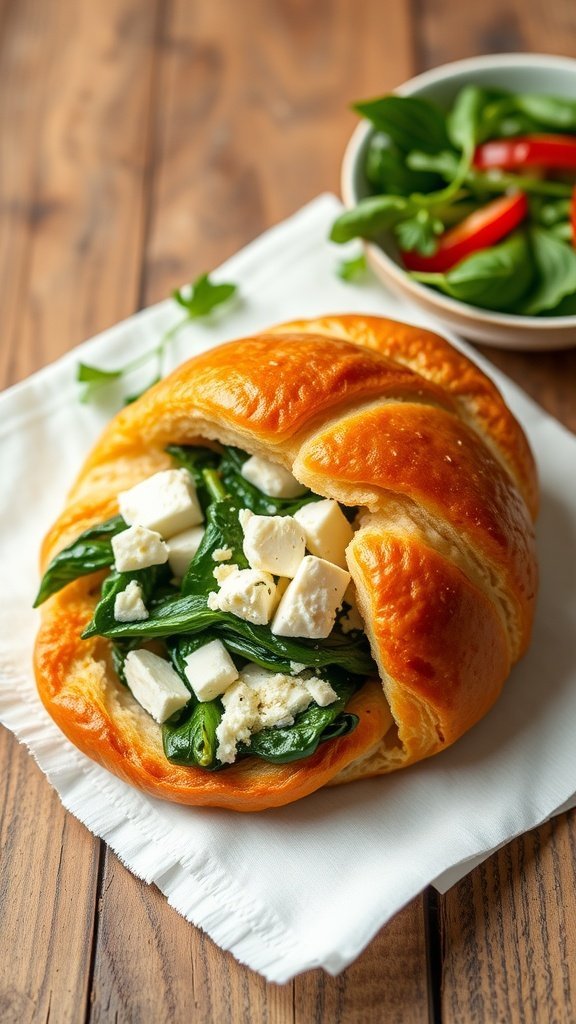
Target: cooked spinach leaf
91, 551
191, 739
223, 530
246, 495
196, 460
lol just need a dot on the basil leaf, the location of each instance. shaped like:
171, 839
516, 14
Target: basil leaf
350, 270
463, 120
91, 551
410, 123
192, 739
388, 169
556, 266
94, 375
246, 495
444, 164
420, 233
203, 296
494, 278
548, 111
370, 217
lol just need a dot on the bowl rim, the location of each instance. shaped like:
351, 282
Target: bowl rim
442, 73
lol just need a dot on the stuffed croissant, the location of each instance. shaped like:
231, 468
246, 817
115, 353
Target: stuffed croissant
304, 558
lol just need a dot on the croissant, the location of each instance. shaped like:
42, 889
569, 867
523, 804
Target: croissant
380, 416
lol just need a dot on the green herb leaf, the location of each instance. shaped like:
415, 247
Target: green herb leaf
494, 278
87, 374
463, 120
556, 266
388, 169
91, 551
409, 122
551, 112
420, 233
203, 296
370, 218
350, 270
445, 164
191, 740
247, 495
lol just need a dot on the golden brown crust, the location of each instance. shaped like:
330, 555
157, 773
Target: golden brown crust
376, 414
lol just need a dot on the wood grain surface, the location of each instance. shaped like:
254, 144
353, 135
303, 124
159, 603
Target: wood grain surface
141, 143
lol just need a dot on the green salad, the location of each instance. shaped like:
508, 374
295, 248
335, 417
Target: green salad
203, 631
480, 198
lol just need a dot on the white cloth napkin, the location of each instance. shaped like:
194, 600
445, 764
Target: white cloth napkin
307, 885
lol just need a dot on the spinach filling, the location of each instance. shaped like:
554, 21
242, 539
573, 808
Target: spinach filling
181, 620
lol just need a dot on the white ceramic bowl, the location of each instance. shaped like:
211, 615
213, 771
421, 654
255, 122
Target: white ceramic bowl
520, 73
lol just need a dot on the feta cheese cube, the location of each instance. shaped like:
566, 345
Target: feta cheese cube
310, 602
182, 547
239, 718
327, 531
272, 543
137, 548
128, 604
280, 697
222, 554
320, 691
155, 684
210, 670
248, 593
271, 479
166, 502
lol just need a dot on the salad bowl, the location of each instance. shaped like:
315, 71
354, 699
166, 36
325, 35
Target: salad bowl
517, 73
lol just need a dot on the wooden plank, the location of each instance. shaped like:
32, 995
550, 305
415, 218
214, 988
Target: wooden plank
48, 870
152, 965
254, 118
75, 84
73, 185
510, 933
387, 983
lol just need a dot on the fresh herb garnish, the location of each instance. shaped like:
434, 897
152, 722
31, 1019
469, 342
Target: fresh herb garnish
198, 300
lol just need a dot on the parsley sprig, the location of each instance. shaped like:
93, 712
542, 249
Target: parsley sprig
198, 301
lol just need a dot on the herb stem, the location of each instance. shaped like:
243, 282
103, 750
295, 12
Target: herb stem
214, 484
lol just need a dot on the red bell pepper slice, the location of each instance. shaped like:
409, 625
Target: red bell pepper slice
479, 230
548, 151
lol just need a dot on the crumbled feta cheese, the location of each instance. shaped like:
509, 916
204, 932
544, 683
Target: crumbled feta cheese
271, 479
137, 548
328, 532
210, 670
308, 607
236, 725
248, 593
182, 547
128, 604
273, 543
222, 554
155, 684
166, 502
320, 691
280, 697
296, 667
222, 571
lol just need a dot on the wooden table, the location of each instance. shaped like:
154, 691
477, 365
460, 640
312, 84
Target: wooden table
142, 142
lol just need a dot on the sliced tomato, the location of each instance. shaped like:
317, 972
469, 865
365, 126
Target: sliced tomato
573, 214
479, 230
553, 151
